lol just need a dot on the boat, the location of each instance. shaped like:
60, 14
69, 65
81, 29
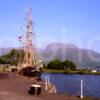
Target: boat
29, 63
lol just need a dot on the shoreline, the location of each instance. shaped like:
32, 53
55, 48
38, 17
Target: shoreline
53, 71
14, 87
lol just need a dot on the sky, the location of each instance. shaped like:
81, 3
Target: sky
67, 21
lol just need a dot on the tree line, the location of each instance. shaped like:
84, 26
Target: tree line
13, 57
17, 56
61, 65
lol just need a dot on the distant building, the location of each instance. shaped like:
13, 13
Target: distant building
98, 68
94, 71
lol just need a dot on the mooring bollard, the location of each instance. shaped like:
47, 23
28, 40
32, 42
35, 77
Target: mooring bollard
35, 89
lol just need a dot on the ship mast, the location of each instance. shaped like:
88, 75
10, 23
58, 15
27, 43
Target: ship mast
31, 56
29, 37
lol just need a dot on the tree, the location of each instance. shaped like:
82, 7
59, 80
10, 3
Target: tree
56, 64
65, 65
13, 57
69, 64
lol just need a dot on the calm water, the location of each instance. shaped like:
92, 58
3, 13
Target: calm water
70, 84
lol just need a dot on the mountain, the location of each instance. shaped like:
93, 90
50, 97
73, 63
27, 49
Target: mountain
4, 51
81, 57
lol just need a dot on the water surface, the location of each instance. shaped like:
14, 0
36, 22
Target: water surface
70, 84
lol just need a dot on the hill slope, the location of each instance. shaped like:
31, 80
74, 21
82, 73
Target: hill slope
81, 57
4, 51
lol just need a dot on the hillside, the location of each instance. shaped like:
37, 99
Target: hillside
4, 51
83, 58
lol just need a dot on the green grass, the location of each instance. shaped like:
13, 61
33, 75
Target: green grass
52, 70
84, 72
59, 71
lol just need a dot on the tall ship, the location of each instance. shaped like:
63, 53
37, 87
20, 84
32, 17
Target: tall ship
29, 60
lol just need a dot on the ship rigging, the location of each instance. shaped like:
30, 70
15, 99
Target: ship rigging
28, 45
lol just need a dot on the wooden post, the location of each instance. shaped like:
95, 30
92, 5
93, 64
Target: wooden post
48, 80
81, 96
46, 83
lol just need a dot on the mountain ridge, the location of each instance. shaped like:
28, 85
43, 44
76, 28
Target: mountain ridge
83, 58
